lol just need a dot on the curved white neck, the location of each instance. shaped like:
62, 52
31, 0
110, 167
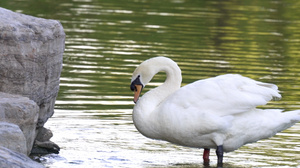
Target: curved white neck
143, 112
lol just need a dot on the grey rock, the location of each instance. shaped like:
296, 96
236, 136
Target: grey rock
11, 159
44, 135
43, 145
12, 137
31, 58
20, 111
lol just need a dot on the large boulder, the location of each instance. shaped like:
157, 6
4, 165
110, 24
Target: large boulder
12, 159
20, 111
31, 56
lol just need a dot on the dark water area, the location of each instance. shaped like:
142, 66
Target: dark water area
107, 39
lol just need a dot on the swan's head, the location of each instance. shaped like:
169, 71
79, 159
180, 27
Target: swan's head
147, 69
141, 76
144, 73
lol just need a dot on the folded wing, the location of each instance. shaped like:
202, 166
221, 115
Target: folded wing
224, 95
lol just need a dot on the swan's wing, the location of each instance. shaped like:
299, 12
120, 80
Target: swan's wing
224, 95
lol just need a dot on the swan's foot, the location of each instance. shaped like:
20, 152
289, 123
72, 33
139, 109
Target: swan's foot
206, 156
219, 153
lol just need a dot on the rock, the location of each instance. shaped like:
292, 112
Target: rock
43, 145
31, 58
12, 137
31, 55
11, 159
20, 111
44, 135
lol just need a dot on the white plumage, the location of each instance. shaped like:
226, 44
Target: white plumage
209, 113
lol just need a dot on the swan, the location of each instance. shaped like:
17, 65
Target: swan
215, 113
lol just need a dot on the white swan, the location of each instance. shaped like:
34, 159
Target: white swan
217, 113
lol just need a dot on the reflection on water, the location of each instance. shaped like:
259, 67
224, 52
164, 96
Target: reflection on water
106, 40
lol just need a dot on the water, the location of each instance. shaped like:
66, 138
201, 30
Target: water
107, 39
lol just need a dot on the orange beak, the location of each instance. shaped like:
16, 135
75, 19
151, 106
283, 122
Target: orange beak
137, 92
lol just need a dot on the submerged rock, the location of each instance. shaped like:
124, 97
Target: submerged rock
43, 145
12, 159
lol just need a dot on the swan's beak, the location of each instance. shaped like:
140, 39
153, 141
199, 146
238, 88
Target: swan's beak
137, 92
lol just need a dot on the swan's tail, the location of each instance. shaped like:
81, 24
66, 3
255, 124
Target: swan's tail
288, 119
277, 121
294, 116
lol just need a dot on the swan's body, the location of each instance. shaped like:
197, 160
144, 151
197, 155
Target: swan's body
218, 112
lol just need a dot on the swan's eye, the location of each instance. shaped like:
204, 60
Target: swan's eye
133, 87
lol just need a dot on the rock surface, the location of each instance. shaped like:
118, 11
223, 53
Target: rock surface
12, 159
12, 137
31, 57
22, 112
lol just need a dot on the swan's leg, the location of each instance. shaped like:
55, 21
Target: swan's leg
206, 156
219, 153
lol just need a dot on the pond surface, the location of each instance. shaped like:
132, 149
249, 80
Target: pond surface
107, 39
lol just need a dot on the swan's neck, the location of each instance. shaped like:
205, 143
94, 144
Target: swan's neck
145, 110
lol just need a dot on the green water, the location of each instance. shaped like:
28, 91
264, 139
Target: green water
107, 39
